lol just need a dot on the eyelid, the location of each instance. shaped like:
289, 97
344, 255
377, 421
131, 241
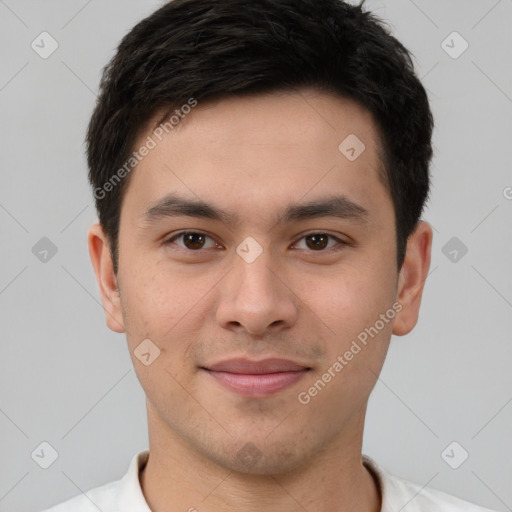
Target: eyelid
173, 237
340, 242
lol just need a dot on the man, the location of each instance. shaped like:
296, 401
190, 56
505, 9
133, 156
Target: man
260, 168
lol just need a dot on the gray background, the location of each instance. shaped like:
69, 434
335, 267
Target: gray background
67, 380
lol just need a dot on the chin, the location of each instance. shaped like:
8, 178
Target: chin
260, 458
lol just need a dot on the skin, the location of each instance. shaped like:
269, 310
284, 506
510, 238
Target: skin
251, 156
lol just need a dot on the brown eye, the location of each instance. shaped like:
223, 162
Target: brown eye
320, 242
191, 240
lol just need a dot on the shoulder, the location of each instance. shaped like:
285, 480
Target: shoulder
400, 494
124, 494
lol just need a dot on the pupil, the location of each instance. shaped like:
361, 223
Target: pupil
191, 240
316, 241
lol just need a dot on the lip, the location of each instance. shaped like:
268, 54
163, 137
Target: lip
256, 378
248, 367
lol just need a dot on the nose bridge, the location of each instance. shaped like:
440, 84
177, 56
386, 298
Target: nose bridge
253, 273
257, 276
253, 263
254, 296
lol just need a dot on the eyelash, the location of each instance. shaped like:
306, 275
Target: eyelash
341, 243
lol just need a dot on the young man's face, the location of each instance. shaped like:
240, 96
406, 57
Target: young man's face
256, 286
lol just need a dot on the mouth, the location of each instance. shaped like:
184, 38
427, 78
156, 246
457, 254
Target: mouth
256, 378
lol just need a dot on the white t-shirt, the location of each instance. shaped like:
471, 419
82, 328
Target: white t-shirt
125, 495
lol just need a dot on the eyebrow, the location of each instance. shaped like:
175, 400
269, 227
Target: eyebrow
173, 205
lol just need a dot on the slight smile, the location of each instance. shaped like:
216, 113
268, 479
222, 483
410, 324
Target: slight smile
256, 378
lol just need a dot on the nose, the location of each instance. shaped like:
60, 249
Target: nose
256, 298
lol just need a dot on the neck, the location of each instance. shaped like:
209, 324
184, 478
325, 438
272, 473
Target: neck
179, 478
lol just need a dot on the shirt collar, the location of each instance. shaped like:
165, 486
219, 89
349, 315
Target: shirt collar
393, 490
131, 497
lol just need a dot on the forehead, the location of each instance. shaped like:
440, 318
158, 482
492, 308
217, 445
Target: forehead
268, 149
279, 117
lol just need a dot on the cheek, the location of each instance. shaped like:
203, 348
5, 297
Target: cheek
155, 308
349, 299
356, 339
349, 304
153, 302
168, 306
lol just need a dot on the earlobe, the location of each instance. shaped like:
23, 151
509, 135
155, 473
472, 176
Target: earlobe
99, 252
412, 276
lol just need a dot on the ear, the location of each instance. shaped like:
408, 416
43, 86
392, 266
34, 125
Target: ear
99, 251
411, 279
